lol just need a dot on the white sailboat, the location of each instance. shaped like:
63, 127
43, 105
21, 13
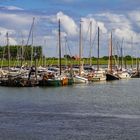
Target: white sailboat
80, 78
99, 74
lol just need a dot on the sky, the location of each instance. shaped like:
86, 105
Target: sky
121, 17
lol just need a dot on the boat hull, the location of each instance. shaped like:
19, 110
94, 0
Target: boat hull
79, 79
50, 82
70, 81
135, 75
18, 82
97, 79
110, 77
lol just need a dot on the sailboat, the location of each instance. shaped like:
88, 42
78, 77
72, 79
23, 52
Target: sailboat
52, 78
136, 72
122, 72
99, 74
111, 75
79, 78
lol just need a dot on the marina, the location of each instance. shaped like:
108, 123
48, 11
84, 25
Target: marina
32, 75
69, 70
41, 76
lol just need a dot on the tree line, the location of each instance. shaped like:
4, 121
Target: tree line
127, 57
20, 52
28, 51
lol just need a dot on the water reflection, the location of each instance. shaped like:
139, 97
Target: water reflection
107, 110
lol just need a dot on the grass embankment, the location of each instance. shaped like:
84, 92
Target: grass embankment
4, 63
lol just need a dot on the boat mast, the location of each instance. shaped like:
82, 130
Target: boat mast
59, 39
110, 56
122, 55
80, 48
90, 42
32, 42
98, 49
66, 62
22, 52
31, 34
132, 53
8, 47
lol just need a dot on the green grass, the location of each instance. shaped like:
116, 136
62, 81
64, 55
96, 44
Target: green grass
56, 62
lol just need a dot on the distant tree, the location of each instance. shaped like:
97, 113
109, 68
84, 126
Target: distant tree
15, 51
93, 58
73, 58
127, 57
116, 56
1, 51
105, 57
37, 51
67, 56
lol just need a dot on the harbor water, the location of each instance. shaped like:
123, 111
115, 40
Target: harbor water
93, 111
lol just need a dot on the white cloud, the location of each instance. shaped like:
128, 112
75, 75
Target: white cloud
113, 17
135, 17
95, 24
3, 31
115, 20
10, 8
12, 41
50, 46
17, 25
68, 24
127, 34
122, 25
123, 33
47, 25
15, 19
55, 33
102, 27
85, 22
3, 40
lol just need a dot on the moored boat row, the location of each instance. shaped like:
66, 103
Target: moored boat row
50, 76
